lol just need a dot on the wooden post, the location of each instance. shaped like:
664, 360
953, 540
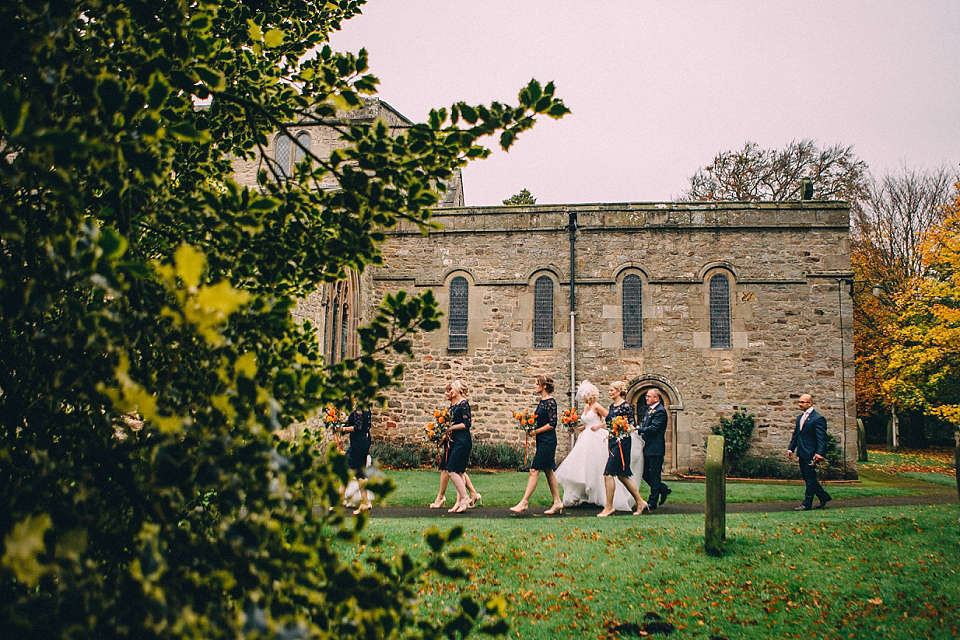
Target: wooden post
715, 523
861, 442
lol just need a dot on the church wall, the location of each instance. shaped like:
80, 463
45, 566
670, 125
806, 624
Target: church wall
783, 261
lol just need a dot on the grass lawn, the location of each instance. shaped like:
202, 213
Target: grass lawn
840, 573
505, 488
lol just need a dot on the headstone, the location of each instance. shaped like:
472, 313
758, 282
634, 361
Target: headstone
861, 442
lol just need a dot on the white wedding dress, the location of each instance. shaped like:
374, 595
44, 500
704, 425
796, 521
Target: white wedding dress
581, 473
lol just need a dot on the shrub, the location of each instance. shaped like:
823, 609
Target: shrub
769, 466
736, 433
401, 455
834, 458
498, 455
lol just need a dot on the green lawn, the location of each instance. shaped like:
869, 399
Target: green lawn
506, 488
841, 573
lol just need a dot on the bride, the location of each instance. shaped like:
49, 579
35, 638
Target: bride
581, 473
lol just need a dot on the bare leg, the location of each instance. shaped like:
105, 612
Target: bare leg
521, 506
631, 486
474, 495
609, 486
557, 506
442, 494
462, 497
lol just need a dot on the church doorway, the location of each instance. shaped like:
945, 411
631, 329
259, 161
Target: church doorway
636, 395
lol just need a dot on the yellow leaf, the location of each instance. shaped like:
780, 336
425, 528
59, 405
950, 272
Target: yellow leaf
190, 264
247, 364
274, 38
253, 30
23, 544
221, 299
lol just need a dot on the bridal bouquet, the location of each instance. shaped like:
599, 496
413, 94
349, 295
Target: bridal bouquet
570, 419
438, 429
619, 428
526, 422
334, 419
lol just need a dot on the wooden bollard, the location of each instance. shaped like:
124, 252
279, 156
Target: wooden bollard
715, 524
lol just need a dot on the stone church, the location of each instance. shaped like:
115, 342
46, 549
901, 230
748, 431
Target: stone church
722, 306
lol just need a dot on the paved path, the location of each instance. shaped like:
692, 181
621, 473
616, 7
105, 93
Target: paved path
931, 494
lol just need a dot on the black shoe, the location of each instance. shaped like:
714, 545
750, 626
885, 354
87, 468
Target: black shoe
651, 505
823, 503
664, 493
802, 507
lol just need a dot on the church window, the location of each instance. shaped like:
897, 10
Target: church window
719, 312
632, 313
457, 326
543, 313
281, 153
344, 322
334, 325
301, 148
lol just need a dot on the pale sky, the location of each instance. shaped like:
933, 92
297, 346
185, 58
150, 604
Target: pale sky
657, 89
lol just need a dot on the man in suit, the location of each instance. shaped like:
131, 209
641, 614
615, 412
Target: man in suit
652, 429
809, 442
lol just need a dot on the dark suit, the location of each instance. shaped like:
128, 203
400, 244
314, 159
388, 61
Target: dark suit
653, 429
806, 443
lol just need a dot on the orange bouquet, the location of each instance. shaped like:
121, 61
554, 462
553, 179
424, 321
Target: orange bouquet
570, 419
525, 421
619, 428
438, 429
334, 419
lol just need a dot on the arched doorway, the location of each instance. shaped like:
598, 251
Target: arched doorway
636, 395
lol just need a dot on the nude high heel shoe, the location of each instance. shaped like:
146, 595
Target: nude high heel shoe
474, 501
520, 507
557, 508
438, 503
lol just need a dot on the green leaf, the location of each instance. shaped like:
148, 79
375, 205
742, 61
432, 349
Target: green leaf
186, 132
212, 79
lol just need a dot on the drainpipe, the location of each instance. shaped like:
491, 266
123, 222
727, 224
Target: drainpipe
572, 228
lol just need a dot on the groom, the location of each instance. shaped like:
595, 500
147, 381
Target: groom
654, 448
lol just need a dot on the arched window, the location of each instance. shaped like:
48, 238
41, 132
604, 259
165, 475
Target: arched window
719, 312
543, 313
334, 324
458, 314
632, 312
327, 321
281, 153
344, 323
300, 150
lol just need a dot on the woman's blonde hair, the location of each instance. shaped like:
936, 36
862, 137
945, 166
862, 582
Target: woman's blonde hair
459, 386
620, 386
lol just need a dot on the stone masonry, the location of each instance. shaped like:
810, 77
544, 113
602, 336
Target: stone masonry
790, 316
784, 262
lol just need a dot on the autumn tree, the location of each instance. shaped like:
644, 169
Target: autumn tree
524, 197
755, 174
888, 228
149, 355
923, 369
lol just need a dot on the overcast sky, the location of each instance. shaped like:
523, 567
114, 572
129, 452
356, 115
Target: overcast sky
657, 89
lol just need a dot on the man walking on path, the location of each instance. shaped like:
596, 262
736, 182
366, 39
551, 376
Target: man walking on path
809, 441
653, 429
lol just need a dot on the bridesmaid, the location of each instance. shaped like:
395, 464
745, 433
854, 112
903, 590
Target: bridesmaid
618, 458
460, 444
358, 426
545, 458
